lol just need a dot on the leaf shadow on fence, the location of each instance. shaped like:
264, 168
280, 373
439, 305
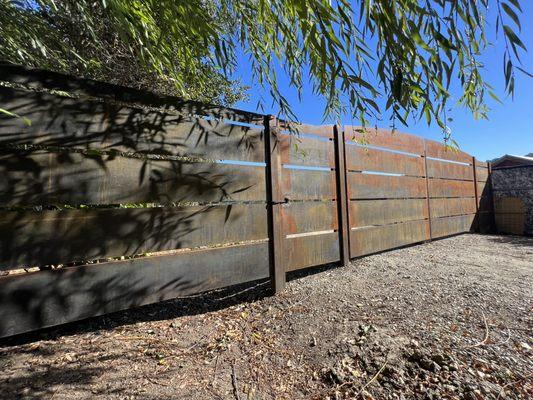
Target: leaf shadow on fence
88, 157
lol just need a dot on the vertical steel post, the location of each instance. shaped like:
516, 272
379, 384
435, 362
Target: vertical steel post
274, 201
342, 198
428, 202
476, 196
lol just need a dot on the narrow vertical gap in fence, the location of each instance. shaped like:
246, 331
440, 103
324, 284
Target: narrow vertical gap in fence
476, 196
428, 202
274, 201
342, 198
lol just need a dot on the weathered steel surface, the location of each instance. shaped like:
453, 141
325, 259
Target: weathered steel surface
83, 124
484, 189
367, 159
509, 205
41, 79
306, 151
40, 178
276, 245
385, 138
383, 212
47, 298
308, 251
513, 199
57, 237
476, 227
428, 207
439, 150
447, 226
481, 164
450, 188
482, 174
510, 215
308, 185
374, 239
342, 197
485, 216
443, 169
319, 130
452, 207
392, 211
311, 216
368, 186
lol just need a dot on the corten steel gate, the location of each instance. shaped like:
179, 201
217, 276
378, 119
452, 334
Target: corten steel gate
197, 197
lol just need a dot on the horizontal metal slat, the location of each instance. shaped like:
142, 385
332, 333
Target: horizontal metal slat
440, 150
383, 212
375, 239
41, 178
58, 237
368, 186
366, 159
392, 140
77, 123
447, 226
450, 188
442, 169
311, 216
308, 251
298, 184
47, 298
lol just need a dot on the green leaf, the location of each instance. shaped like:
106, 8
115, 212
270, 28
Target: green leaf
513, 37
495, 97
509, 11
26, 121
516, 4
525, 72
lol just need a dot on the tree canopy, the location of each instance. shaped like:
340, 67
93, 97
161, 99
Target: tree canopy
83, 39
406, 52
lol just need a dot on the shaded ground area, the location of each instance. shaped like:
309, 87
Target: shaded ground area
449, 319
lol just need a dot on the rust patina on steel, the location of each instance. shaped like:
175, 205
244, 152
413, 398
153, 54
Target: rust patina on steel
197, 197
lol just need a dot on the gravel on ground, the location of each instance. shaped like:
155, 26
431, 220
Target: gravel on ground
450, 319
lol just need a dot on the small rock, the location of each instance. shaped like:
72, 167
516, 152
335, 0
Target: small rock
453, 366
367, 396
470, 396
337, 376
470, 388
441, 359
449, 388
525, 346
490, 388
417, 356
429, 365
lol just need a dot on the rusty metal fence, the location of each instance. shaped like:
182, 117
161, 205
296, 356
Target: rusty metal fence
113, 198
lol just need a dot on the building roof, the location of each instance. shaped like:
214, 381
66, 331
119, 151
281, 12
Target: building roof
509, 159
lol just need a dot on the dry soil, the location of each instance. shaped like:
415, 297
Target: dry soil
450, 319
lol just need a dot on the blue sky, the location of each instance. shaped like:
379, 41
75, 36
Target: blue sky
508, 130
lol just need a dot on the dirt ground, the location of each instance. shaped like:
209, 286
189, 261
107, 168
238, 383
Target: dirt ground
451, 319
